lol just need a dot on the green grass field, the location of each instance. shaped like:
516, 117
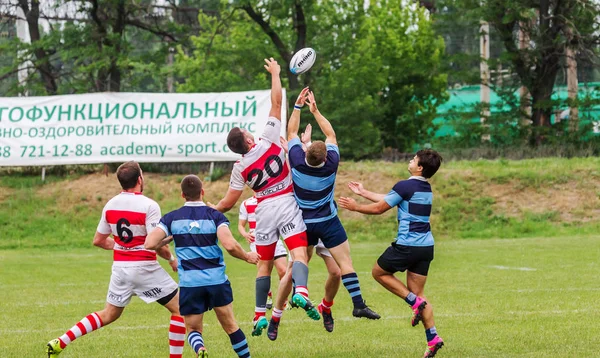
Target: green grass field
492, 298
514, 275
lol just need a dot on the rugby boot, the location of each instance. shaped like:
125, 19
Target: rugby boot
306, 304
53, 348
418, 308
433, 347
259, 326
327, 318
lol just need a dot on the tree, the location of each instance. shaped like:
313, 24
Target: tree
377, 68
545, 23
95, 45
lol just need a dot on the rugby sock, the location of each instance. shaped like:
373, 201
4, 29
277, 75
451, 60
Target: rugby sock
270, 294
326, 306
263, 286
176, 337
239, 344
430, 333
300, 278
276, 315
195, 340
350, 281
411, 298
89, 323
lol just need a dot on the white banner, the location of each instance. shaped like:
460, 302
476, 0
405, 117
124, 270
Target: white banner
117, 127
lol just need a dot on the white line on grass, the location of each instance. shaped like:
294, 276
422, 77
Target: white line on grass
513, 268
343, 319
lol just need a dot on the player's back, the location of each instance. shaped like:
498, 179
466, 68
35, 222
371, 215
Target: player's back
263, 169
194, 229
314, 186
129, 217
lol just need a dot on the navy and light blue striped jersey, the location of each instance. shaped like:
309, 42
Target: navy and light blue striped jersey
194, 229
314, 186
413, 198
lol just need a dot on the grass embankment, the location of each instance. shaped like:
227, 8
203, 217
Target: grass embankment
472, 199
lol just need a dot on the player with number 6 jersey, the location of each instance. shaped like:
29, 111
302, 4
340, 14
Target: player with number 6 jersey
129, 217
263, 168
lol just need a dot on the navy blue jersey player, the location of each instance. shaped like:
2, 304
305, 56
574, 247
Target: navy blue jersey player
313, 176
196, 230
412, 251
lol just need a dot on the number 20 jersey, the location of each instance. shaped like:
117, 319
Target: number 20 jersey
129, 217
264, 168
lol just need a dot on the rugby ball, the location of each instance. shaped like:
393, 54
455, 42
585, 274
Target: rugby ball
303, 60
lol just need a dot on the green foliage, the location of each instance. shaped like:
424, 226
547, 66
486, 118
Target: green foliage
377, 76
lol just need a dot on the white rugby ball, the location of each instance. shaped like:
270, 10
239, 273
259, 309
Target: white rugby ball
303, 60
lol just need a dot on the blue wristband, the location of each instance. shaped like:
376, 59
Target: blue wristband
297, 107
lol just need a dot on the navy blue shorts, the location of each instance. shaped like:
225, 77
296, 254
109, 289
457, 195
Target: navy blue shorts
197, 300
401, 258
331, 232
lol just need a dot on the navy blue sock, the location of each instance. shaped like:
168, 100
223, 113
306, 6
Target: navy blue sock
239, 344
350, 281
196, 341
411, 298
430, 333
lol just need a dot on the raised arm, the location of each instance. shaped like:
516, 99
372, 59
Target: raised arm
225, 204
358, 189
377, 208
294, 122
276, 96
323, 123
233, 247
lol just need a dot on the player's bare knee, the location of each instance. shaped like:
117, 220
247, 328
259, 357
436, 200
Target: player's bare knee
110, 314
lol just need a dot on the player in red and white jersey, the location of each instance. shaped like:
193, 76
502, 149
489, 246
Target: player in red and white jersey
248, 216
263, 168
129, 217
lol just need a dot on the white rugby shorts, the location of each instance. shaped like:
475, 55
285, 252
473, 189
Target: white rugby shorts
278, 217
149, 282
279, 249
321, 250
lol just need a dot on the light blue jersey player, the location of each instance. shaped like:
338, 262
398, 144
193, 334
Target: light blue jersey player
196, 230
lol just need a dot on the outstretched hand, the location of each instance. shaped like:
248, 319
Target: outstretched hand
306, 136
272, 67
252, 258
312, 104
347, 203
356, 187
284, 144
302, 97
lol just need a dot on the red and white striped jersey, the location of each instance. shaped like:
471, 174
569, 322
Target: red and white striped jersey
264, 168
248, 212
130, 217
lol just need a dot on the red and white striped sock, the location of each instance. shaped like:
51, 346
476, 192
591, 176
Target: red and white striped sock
276, 316
259, 312
176, 337
326, 306
89, 323
302, 290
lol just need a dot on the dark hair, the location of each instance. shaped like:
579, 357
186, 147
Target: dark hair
316, 153
128, 174
236, 141
430, 160
191, 187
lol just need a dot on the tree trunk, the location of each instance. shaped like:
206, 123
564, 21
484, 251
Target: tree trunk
572, 84
42, 62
